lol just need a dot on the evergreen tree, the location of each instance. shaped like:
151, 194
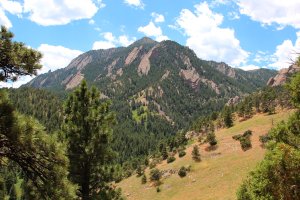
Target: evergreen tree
15, 58
144, 179
227, 117
88, 130
196, 154
211, 138
164, 153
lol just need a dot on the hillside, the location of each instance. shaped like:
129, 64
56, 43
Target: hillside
220, 172
167, 77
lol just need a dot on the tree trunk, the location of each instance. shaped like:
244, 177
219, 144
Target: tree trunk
85, 182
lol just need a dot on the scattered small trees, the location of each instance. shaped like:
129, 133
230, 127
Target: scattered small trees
196, 154
181, 154
244, 139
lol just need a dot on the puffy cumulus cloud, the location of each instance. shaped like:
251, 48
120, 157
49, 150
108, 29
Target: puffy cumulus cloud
207, 38
56, 57
135, 3
151, 30
110, 41
12, 7
51, 12
158, 18
4, 21
286, 53
267, 12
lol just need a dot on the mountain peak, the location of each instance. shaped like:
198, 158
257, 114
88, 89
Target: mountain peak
143, 41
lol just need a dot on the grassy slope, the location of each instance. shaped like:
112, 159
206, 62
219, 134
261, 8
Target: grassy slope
219, 173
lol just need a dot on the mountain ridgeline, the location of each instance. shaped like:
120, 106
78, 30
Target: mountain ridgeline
156, 89
166, 77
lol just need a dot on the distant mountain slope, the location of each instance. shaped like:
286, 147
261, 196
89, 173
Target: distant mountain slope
166, 77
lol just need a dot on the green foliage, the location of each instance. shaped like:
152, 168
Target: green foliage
15, 58
155, 175
244, 139
40, 156
294, 88
144, 179
196, 154
171, 159
276, 177
87, 124
181, 154
227, 117
211, 138
182, 172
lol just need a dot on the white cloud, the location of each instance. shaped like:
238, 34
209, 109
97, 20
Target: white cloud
283, 13
208, 39
13, 7
4, 20
91, 22
151, 30
50, 12
233, 15
158, 17
125, 41
110, 41
249, 67
286, 53
103, 45
56, 57
135, 3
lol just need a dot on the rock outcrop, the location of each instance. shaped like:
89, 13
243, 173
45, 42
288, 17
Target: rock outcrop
283, 76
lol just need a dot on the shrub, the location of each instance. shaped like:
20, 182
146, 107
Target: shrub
158, 189
144, 179
182, 172
245, 143
237, 137
171, 159
211, 139
155, 175
247, 133
196, 154
181, 154
264, 138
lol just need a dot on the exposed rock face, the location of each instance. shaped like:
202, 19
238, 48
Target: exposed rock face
191, 76
132, 55
80, 62
283, 75
226, 70
165, 75
144, 65
233, 101
75, 81
111, 66
194, 79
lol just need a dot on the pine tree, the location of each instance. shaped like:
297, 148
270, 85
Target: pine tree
227, 117
15, 58
144, 179
88, 130
211, 138
196, 154
164, 153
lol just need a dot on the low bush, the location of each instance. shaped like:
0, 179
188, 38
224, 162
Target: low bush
171, 159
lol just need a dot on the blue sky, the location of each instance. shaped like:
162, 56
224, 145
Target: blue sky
248, 34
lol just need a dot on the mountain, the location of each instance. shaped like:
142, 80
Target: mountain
165, 76
156, 88
283, 75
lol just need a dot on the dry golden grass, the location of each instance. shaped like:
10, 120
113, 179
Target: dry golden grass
220, 172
